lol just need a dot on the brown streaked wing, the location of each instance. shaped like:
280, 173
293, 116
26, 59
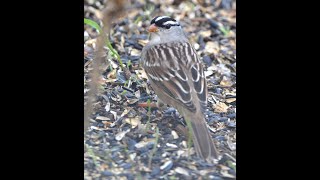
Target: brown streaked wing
200, 84
167, 72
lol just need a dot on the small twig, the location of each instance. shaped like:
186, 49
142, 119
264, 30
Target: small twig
113, 10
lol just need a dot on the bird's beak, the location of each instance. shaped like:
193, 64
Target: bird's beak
152, 28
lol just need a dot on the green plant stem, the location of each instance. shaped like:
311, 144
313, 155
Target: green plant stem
114, 53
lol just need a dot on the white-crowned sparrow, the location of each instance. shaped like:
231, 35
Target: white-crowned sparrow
176, 75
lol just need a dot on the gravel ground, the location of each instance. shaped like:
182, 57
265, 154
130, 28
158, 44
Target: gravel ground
125, 141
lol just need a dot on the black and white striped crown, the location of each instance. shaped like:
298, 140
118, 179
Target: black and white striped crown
164, 22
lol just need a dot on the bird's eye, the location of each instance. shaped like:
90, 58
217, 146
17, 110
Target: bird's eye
167, 26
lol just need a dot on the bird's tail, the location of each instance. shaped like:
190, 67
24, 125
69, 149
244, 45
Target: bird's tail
203, 143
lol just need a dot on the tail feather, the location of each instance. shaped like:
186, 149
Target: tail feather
203, 143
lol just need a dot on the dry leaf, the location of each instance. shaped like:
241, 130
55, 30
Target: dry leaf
144, 143
107, 124
135, 52
223, 69
97, 128
171, 145
107, 107
230, 100
121, 134
114, 114
204, 172
91, 43
212, 129
110, 80
113, 64
220, 107
112, 74
232, 146
116, 98
191, 166
132, 101
134, 122
208, 73
143, 42
226, 82
141, 74
125, 112
205, 33
137, 94
180, 152
103, 118
212, 47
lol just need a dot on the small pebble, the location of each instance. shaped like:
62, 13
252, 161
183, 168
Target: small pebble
86, 36
184, 144
231, 124
214, 119
207, 60
170, 110
132, 156
213, 24
196, 46
218, 90
129, 176
215, 177
220, 138
126, 165
142, 150
232, 115
131, 144
181, 170
167, 165
223, 119
174, 134
165, 154
143, 144
107, 173
171, 145
155, 171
